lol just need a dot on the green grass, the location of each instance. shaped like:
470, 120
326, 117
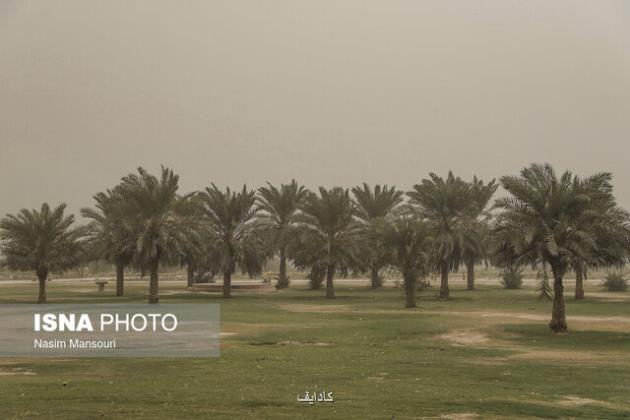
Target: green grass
381, 361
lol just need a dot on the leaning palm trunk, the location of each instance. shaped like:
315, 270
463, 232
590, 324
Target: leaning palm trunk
227, 284
376, 279
153, 281
283, 281
41, 277
444, 291
579, 284
558, 321
410, 291
470, 276
120, 279
330, 272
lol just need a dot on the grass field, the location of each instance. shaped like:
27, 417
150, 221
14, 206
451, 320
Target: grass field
482, 354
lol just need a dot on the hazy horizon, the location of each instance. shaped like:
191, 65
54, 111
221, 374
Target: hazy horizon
328, 93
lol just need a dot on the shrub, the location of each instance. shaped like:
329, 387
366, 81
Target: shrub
616, 282
512, 277
316, 277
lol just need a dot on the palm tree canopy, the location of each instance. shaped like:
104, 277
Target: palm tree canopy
230, 213
279, 205
110, 229
609, 224
478, 230
376, 203
481, 194
42, 240
150, 202
446, 205
555, 219
235, 233
278, 209
189, 209
328, 222
409, 243
372, 206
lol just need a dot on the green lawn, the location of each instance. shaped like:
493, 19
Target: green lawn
485, 353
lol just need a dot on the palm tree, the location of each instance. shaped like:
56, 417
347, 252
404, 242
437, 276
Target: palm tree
327, 223
547, 221
159, 232
195, 253
410, 246
280, 206
111, 233
235, 233
307, 256
478, 228
374, 205
611, 231
42, 241
446, 205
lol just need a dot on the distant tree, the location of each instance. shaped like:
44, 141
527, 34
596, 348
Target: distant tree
279, 209
615, 282
235, 234
446, 205
546, 222
110, 233
160, 233
610, 230
195, 252
409, 245
328, 225
43, 241
477, 230
374, 205
309, 257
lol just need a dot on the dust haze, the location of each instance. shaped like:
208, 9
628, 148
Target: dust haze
327, 92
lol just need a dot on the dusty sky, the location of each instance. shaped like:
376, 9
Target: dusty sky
329, 92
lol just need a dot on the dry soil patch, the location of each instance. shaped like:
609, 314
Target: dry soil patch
16, 372
298, 307
465, 337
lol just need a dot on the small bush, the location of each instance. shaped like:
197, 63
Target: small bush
424, 284
316, 277
512, 277
616, 282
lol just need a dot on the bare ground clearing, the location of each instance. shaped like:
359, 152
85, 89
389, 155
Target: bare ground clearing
298, 307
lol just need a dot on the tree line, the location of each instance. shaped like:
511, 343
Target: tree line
556, 223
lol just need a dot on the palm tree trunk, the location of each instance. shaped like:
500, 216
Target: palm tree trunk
190, 275
558, 321
153, 281
227, 284
376, 279
410, 291
41, 276
444, 280
283, 282
316, 278
470, 277
579, 284
120, 279
330, 272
